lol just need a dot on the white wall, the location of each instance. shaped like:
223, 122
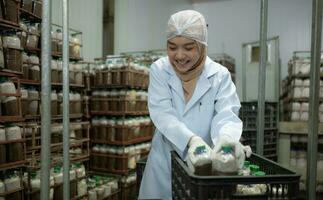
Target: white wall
85, 16
140, 25
234, 22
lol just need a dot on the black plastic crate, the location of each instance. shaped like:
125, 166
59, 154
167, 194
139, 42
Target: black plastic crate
140, 167
249, 110
250, 137
186, 185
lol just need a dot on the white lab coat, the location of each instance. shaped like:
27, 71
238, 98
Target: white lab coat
212, 110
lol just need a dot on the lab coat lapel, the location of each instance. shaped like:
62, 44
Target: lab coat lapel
202, 86
176, 84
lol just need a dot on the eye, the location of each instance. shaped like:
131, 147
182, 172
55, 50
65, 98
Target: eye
189, 48
172, 48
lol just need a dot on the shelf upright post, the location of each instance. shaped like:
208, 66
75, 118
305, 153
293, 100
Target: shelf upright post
262, 76
46, 99
66, 114
313, 121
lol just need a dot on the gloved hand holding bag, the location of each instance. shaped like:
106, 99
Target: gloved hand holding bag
199, 156
228, 156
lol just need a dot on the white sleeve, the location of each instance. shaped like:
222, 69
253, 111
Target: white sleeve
226, 120
162, 112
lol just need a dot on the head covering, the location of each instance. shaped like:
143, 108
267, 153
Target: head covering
187, 23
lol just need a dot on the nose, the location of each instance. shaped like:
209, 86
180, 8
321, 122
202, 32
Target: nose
179, 55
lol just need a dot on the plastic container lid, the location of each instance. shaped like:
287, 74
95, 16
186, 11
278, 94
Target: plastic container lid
254, 168
247, 163
226, 149
200, 150
259, 173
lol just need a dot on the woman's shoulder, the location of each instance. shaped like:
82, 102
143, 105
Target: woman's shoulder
162, 65
213, 67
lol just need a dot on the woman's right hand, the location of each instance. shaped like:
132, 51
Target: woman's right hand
195, 144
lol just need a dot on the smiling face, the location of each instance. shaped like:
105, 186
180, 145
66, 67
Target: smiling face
183, 53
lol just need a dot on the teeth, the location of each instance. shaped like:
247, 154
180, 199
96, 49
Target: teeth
182, 63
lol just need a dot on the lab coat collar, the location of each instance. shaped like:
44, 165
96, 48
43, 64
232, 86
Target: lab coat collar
202, 86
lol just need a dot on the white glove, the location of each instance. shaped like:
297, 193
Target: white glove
240, 150
192, 158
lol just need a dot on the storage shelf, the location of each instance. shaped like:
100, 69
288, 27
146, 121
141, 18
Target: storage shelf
29, 16
13, 141
7, 72
109, 172
11, 192
296, 128
59, 55
56, 185
11, 119
72, 144
303, 76
301, 99
80, 197
130, 142
266, 129
72, 116
12, 165
10, 94
30, 117
71, 85
5, 24
29, 82
54, 163
111, 86
120, 113
32, 50
302, 172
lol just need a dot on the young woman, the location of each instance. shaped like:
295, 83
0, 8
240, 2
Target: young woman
192, 101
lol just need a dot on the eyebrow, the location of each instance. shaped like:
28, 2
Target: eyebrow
187, 44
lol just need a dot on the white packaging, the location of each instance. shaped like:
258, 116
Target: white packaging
24, 93
304, 116
11, 42
100, 193
224, 161
305, 68
2, 135
34, 60
304, 106
295, 116
306, 92
58, 178
72, 175
12, 183
80, 171
35, 183
298, 82
306, 82
7, 87
107, 190
296, 106
297, 92
92, 194
2, 187
13, 133
293, 162
81, 187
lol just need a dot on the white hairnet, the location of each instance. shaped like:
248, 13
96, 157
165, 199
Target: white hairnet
187, 23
